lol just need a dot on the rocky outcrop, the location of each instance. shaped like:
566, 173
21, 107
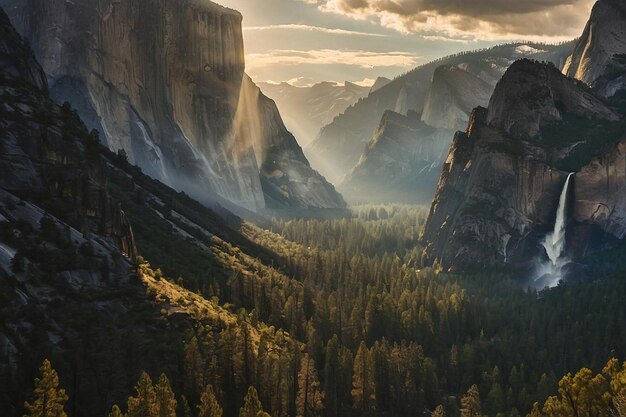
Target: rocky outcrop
16, 59
500, 185
47, 155
451, 97
162, 80
401, 163
530, 97
339, 145
600, 191
489, 200
599, 58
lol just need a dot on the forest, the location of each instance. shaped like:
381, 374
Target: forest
348, 321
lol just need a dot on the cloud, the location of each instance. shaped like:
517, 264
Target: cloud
309, 28
366, 82
362, 59
481, 19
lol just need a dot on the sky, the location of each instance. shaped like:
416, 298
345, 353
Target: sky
308, 41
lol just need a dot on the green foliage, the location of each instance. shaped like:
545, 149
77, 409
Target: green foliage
209, 407
251, 405
116, 412
49, 399
586, 394
144, 403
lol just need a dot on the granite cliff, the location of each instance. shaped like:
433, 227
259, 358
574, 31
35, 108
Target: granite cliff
401, 163
599, 57
451, 97
500, 186
403, 160
164, 81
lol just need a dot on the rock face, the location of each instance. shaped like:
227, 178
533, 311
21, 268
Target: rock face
39, 155
530, 97
379, 83
165, 82
600, 191
306, 110
339, 145
451, 97
599, 58
403, 160
500, 185
401, 163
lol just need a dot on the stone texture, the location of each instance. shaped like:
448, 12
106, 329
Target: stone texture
162, 80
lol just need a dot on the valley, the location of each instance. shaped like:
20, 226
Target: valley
168, 247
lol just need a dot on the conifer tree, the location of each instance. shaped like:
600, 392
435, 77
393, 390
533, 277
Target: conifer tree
439, 412
310, 399
166, 401
251, 404
49, 398
470, 403
144, 404
363, 391
209, 407
116, 412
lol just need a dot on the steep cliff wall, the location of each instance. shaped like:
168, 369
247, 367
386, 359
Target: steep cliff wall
160, 79
599, 57
46, 155
530, 97
402, 162
491, 197
500, 186
600, 191
451, 97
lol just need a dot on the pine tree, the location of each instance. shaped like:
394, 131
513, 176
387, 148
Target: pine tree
251, 404
49, 398
470, 403
363, 394
166, 401
145, 403
310, 399
209, 407
439, 412
116, 412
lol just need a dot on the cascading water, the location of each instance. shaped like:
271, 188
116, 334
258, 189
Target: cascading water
552, 271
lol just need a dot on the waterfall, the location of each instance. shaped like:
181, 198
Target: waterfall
551, 272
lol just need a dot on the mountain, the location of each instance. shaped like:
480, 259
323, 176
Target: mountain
339, 145
403, 160
401, 163
74, 218
451, 97
502, 181
599, 58
379, 83
165, 82
306, 110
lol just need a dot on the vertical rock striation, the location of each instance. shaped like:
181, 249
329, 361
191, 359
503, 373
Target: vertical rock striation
160, 79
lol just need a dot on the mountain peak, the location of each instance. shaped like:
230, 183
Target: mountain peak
599, 57
532, 95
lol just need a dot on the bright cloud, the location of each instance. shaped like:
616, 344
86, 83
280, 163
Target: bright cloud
310, 28
481, 19
362, 59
